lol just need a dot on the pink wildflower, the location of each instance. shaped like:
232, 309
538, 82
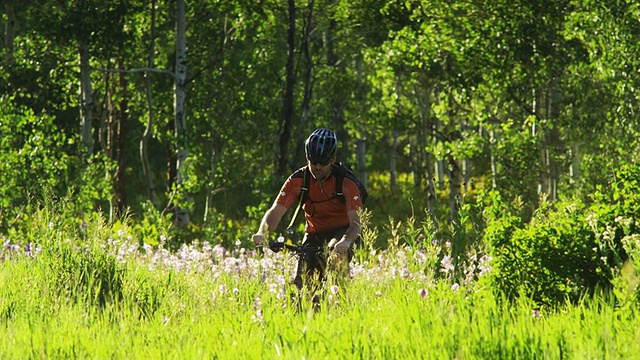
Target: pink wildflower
334, 289
423, 293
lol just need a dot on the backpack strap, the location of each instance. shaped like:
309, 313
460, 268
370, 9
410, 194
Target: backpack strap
304, 194
339, 172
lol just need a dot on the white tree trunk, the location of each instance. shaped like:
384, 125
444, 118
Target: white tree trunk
494, 165
455, 184
182, 213
439, 164
574, 168
86, 100
148, 131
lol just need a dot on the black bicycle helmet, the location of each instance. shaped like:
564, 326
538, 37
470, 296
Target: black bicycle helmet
321, 146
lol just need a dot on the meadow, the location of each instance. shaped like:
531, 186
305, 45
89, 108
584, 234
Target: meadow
94, 291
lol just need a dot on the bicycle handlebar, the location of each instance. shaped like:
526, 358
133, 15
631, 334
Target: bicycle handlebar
277, 246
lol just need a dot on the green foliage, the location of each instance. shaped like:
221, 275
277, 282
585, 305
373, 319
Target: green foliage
154, 228
148, 292
553, 258
515, 152
31, 161
82, 262
519, 92
40, 165
627, 281
175, 311
226, 231
465, 237
85, 274
568, 249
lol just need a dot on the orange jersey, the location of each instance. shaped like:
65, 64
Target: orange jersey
322, 209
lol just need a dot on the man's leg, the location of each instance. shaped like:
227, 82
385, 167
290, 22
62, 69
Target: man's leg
310, 265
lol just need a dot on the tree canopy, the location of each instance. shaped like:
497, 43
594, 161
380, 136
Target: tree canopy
433, 101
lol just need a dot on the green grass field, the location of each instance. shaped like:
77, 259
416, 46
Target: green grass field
99, 295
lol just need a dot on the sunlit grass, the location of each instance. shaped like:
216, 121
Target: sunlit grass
101, 296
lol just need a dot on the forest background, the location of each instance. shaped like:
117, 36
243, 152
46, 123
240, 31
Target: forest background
496, 124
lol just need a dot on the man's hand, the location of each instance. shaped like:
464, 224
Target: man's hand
257, 239
340, 247
337, 261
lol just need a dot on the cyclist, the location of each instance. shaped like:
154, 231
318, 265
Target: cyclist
330, 221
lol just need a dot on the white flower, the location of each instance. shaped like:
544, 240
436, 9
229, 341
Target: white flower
447, 264
334, 289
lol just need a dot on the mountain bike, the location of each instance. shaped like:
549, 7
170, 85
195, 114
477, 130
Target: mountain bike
316, 289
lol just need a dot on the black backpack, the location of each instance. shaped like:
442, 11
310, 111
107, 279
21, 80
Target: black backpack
340, 171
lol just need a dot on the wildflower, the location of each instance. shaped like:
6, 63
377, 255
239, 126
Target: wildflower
483, 266
31, 250
423, 293
420, 257
165, 319
222, 289
334, 289
258, 316
238, 243
257, 303
536, 314
447, 264
378, 293
235, 291
455, 287
273, 288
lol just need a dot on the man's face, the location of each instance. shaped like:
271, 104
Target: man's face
320, 170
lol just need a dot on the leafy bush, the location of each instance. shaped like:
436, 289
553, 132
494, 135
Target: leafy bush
567, 250
39, 162
552, 258
28, 144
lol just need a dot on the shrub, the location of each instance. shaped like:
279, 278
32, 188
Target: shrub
568, 249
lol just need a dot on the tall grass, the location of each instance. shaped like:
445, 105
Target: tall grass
88, 291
